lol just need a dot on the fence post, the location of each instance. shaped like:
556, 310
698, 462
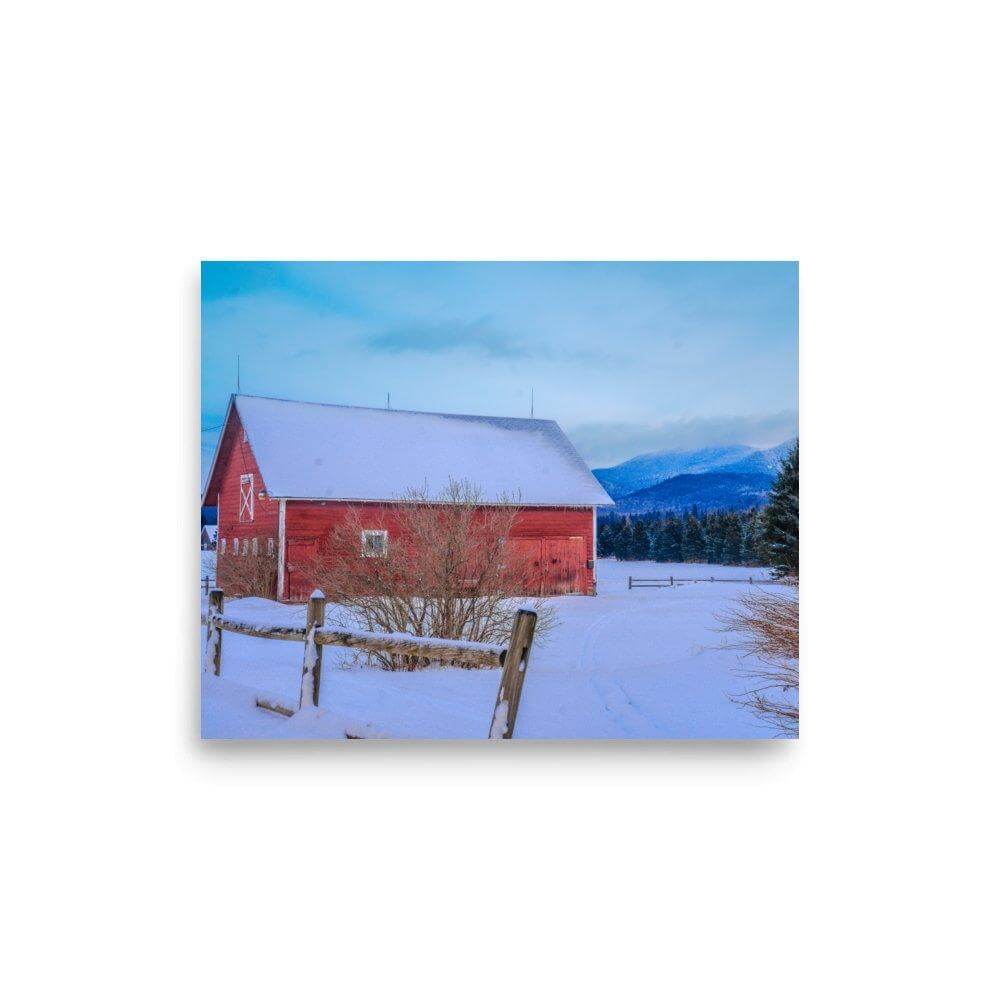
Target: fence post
630, 582
671, 581
312, 659
212, 662
515, 663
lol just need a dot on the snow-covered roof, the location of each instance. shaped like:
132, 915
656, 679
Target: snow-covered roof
319, 451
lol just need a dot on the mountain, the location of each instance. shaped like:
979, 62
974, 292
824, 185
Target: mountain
705, 490
647, 470
767, 460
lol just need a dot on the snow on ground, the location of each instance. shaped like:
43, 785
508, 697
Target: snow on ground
639, 664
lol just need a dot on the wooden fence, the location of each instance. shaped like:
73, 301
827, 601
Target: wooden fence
636, 582
512, 658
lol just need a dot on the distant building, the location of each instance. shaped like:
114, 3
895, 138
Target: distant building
285, 473
209, 534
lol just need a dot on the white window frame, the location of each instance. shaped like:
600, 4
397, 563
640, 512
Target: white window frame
222, 544
253, 545
270, 546
368, 533
246, 546
246, 497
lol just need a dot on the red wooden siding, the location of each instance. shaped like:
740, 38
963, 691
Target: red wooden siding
558, 540
236, 459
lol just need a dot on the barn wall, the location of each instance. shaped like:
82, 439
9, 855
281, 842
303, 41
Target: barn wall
558, 540
235, 459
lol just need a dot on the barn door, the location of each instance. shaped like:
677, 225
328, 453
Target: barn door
301, 552
563, 560
528, 551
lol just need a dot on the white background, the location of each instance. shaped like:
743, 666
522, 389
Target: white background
857, 138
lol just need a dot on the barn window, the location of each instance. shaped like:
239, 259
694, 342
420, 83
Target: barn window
374, 543
246, 497
270, 546
253, 546
245, 546
223, 550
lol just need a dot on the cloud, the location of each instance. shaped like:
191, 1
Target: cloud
603, 444
476, 337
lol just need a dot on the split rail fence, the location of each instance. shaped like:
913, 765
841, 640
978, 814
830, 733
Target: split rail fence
512, 658
635, 582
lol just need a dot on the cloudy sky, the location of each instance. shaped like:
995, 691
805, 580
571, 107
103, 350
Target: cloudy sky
627, 357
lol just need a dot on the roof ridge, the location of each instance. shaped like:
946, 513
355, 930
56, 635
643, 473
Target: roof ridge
382, 409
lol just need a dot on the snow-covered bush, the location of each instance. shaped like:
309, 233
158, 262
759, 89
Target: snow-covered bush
446, 571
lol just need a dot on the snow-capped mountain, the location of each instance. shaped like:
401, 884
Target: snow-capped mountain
648, 470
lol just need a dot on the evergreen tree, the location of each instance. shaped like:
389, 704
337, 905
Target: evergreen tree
605, 540
674, 545
712, 529
781, 518
640, 542
622, 547
693, 544
732, 542
666, 544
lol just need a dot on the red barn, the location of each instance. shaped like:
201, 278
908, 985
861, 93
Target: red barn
284, 472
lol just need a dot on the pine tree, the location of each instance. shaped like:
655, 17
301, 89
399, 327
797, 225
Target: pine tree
640, 542
781, 518
605, 540
714, 542
732, 542
693, 545
674, 546
623, 540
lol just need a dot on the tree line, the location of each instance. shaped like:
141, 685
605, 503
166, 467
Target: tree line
755, 537
725, 538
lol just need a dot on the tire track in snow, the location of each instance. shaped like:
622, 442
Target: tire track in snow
609, 690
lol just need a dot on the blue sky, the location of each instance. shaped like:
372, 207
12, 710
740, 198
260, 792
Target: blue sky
627, 357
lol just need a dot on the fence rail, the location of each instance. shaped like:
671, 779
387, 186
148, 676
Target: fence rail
636, 582
316, 635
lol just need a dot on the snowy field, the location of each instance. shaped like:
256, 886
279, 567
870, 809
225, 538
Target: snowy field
639, 664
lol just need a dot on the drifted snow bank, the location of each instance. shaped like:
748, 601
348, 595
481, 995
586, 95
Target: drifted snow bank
229, 711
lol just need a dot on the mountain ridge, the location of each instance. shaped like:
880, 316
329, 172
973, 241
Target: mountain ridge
653, 468
704, 490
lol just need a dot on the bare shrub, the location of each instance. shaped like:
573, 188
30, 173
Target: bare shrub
447, 572
768, 628
247, 576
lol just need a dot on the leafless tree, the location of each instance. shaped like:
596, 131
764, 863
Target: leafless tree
767, 625
250, 575
447, 571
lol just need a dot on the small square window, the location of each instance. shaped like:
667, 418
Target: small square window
374, 543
